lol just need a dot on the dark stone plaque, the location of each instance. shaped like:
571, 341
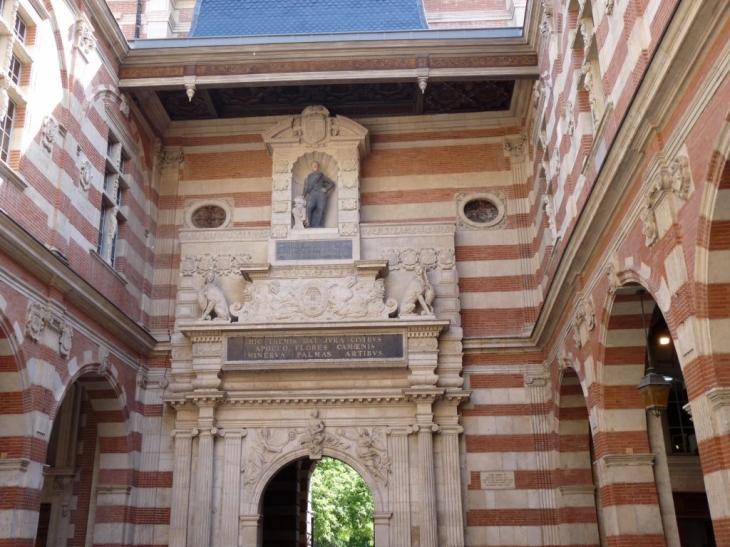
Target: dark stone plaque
329, 249
315, 348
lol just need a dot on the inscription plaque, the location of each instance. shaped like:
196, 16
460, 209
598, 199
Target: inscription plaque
315, 348
497, 480
320, 249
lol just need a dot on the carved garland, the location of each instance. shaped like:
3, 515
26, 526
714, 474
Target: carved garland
428, 258
223, 264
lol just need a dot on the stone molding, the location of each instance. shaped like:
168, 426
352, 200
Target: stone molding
414, 229
224, 234
624, 460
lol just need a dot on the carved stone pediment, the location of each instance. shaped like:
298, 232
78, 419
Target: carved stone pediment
315, 128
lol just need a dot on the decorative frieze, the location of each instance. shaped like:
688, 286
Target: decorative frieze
220, 264
412, 229
427, 258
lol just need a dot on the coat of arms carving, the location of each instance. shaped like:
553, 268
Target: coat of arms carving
314, 124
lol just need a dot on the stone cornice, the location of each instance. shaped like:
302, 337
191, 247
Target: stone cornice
40, 262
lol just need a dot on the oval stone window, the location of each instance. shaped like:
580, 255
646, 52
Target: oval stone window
208, 216
481, 211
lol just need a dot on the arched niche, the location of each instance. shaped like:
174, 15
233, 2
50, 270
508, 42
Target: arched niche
328, 166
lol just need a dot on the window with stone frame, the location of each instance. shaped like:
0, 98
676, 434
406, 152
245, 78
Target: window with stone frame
17, 37
112, 196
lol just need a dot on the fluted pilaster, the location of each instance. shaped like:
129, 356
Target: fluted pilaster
454, 524
231, 486
204, 488
400, 527
428, 524
181, 488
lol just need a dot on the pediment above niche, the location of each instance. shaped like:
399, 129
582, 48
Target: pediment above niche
315, 128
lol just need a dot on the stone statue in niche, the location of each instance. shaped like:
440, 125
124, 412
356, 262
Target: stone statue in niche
419, 292
316, 187
212, 300
299, 213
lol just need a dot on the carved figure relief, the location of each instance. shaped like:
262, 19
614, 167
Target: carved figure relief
370, 448
418, 293
681, 176
266, 447
85, 175
212, 301
568, 118
589, 86
124, 106
65, 339
48, 133
35, 321
547, 202
299, 213
315, 438
85, 40
584, 320
321, 299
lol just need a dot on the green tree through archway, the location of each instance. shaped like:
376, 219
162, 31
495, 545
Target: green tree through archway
342, 506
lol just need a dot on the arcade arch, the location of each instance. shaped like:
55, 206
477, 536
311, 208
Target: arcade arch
640, 466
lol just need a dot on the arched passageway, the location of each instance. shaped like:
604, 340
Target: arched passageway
317, 503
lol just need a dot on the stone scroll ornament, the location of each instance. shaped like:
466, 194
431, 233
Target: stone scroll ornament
320, 299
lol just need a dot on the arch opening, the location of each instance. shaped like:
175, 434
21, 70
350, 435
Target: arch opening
317, 503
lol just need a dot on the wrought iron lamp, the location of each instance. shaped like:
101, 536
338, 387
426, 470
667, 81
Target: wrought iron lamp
653, 387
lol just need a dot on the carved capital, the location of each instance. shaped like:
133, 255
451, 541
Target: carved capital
516, 149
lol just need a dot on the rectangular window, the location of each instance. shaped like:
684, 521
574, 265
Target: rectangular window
21, 29
6, 131
16, 70
102, 223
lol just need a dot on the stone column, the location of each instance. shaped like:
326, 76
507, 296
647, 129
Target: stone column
454, 524
231, 486
400, 496
380, 526
204, 488
428, 522
625, 478
658, 446
181, 488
